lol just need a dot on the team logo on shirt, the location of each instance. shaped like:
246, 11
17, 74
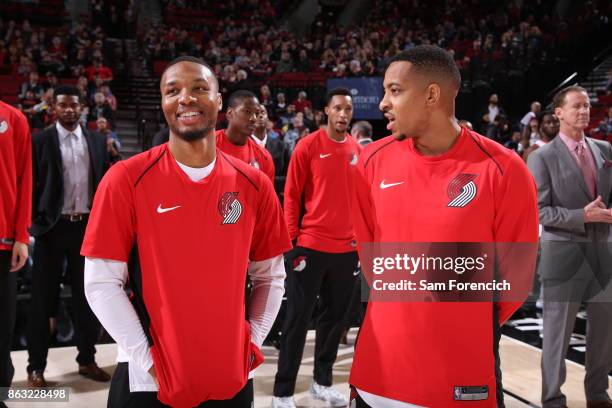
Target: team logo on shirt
255, 164
299, 263
461, 190
3, 126
229, 208
353, 159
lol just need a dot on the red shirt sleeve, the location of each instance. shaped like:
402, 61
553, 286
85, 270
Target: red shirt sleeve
111, 227
270, 237
23, 163
516, 221
294, 187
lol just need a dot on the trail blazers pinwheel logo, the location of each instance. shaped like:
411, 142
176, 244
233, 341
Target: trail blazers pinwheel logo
229, 208
461, 190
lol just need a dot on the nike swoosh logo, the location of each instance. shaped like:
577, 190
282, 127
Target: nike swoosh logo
161, 210
383, 185
324, 155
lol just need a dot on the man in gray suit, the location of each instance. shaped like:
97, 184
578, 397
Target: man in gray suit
574, 178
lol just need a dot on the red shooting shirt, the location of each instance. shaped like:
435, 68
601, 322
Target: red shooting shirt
478, 191
250, 153
15, 176
194, 240
317, 193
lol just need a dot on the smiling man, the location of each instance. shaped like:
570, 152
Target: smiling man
324, 259
199, 220
236, 140
434, 181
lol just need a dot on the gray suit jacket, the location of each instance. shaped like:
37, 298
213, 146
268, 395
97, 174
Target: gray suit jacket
562, 196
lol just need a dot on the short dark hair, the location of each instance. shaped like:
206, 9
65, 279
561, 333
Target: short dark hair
69, 90
364, 127
430, 59
559, 98
541, 114
336, 91
237, 97
188, 58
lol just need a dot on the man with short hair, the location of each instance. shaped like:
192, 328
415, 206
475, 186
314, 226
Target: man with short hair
236, 140
548, 130
199, 219
69, 162
324, 260
113, 143
574, 197
273, 145
15, 216
536, 107
433, 181
362, 132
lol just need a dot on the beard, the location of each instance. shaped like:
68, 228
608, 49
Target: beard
192, 135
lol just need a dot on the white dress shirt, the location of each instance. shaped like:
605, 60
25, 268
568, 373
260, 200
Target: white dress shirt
261, 143
75, 170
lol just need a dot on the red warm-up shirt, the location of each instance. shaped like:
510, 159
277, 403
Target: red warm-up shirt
15, 176
317, 193
194, 240
250, 153
478, 191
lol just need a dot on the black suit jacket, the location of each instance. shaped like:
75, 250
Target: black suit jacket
48, 186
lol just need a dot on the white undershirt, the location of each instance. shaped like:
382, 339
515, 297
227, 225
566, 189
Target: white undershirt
104, 288
260, 142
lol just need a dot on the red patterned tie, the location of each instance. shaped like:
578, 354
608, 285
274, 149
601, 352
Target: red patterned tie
587, 171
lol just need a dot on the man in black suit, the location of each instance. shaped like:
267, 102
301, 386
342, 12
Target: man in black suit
275, 147
68, 164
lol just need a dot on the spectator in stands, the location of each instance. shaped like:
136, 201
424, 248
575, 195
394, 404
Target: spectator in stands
362, 132
184, 44
320, 120
25, 66
293, 135
99, 69
355, 69
535, 109
303, 62
490, 117
83, 86
101, 109
548, 130
280, 107
113, 144
605, 126
302, 102
32, 84
285, 64
286, 118
51, 81
265, 98
531, 133
110, 98
63, 191
309, 119
28, 101
41, 114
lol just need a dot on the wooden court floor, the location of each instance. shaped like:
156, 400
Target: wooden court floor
520, 365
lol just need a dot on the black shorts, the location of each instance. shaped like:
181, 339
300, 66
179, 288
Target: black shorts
119, 395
